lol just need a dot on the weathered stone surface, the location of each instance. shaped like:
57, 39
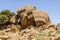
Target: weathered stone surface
57, 38
41, 18
13, 20
33, 17
50, 25
29, 34
14, 28
25, 15
33, 25
27, 8
57, 26
24, 22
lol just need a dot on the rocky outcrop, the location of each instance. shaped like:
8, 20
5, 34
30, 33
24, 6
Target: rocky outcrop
30, 16
41, 18
30, 24
25, 15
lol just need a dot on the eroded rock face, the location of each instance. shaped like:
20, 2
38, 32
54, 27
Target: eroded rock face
33, 16
41, 18
13, 20
30, 16
24, 10
33, 24
25, 15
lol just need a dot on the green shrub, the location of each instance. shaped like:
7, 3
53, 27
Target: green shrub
7, 13
5, 16
3, 19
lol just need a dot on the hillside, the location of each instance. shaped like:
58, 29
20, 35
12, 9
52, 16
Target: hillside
28, 24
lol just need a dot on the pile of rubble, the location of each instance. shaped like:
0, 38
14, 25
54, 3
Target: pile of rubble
30, 24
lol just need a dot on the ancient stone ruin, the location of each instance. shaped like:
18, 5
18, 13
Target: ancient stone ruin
30, 24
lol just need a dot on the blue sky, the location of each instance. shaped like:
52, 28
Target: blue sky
52, 7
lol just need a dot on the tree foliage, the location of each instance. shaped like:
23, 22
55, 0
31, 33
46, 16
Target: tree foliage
5, 15
3, 19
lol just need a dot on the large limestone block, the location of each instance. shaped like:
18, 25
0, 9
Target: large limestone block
41, 17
